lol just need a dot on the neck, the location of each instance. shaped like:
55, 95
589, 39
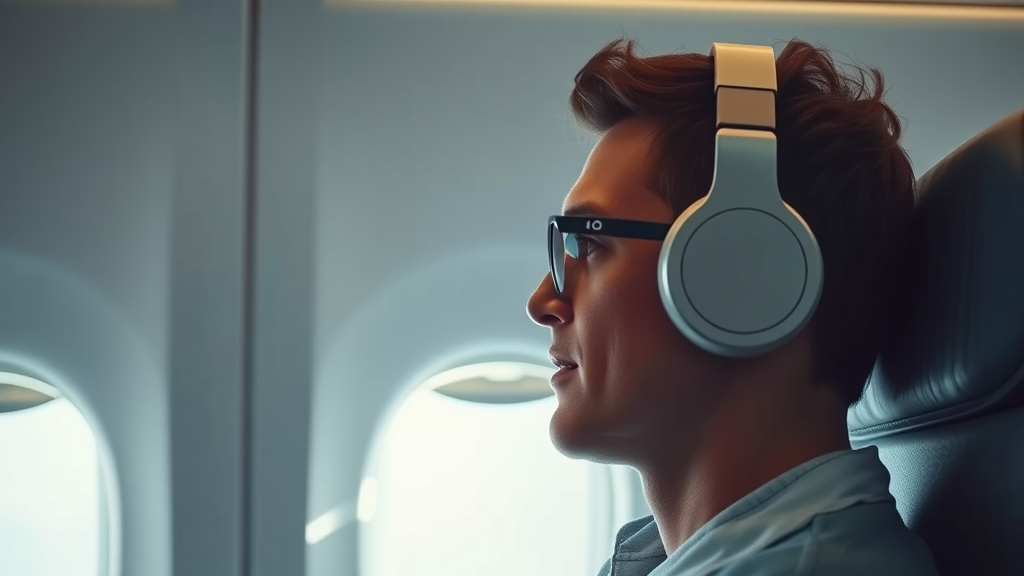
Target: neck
750, 440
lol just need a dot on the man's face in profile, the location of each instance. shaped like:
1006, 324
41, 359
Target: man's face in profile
636, 380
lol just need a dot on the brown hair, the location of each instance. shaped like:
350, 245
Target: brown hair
840, 165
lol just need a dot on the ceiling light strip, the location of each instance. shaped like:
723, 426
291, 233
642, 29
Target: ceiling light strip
895, 10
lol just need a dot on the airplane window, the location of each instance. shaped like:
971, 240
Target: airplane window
466, 482
50, 504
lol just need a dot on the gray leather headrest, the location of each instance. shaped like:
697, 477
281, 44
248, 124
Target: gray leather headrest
957, 349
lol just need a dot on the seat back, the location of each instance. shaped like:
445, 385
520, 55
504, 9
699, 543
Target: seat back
945, 404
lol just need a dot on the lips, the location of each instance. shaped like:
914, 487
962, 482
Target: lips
566, 370
561, 362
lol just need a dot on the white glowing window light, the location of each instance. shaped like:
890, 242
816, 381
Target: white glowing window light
463, 488
49, 484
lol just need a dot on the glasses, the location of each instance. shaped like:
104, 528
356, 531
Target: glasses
563, 242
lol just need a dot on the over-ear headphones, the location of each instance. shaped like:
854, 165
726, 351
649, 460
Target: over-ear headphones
740, 272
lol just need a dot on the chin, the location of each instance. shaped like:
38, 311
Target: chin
579, 439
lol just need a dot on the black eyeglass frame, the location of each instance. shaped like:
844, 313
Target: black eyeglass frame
593, 226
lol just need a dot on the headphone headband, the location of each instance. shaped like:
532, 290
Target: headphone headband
744, 66
745, 86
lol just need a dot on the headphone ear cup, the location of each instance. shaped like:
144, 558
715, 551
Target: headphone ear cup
740, 272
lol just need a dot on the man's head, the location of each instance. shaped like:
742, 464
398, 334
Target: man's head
639, 381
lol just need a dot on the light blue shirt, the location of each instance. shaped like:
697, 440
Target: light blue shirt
831, 516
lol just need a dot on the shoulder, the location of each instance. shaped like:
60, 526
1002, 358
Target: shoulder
864, 540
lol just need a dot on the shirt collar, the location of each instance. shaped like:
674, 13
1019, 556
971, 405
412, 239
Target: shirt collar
777, 509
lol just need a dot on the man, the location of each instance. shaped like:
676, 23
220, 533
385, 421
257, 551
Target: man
745, 461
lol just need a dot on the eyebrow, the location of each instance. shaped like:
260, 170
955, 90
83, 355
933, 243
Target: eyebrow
588, 208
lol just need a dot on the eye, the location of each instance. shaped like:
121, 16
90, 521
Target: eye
580, 246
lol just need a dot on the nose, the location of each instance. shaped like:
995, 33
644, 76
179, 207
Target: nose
547, 308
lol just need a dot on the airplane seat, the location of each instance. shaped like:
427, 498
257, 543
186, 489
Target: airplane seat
945, 404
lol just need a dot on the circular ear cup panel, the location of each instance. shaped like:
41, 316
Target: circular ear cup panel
743, 271
740, 281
